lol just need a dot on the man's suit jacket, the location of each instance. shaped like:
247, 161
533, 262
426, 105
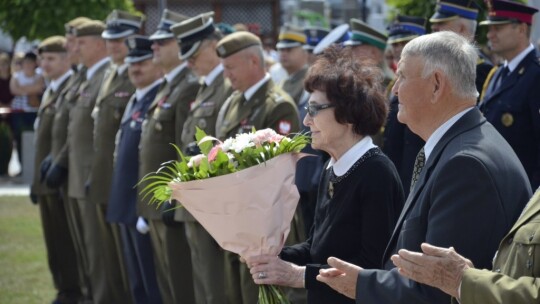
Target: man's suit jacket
110, 105
516, 268
513, 108
80, 134
269, 107
469, 193
43, 136
163, 125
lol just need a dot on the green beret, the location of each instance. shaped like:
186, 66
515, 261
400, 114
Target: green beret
71, 25
53, 44
90, 28
236, 42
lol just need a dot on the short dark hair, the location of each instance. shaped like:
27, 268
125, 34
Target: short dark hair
354, 87
30, 56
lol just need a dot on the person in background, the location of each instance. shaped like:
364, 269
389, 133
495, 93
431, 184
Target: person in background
468, 186
314, 35
27, 86
6, 136
353, 220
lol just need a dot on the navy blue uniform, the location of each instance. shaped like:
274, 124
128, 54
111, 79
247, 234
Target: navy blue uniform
513, 108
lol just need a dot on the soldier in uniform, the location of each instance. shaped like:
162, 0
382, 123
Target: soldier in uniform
197, 38
58, 242
163, 126
401, 145
56, 165
459, 16
111, 102
511, 101
122, 209
293, 59
103, 260
314, 35
257, 103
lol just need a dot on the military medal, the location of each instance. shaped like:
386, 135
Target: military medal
133, 124
507, 119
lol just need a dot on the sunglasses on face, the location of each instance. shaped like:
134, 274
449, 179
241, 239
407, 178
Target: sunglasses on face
313, 110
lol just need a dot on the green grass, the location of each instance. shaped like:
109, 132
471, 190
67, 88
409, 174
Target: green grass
24, 273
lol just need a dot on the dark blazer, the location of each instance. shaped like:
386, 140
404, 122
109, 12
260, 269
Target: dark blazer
122, 206
354, 224
163, 126
468, 195
43, 137
513, 108
110, 105
516, 268
80, 140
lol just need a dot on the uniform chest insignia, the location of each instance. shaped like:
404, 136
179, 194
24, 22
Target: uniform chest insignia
202, 123
166, 105
122, 94
507, 119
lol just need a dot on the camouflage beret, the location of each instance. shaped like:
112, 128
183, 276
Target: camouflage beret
71, 25
90, 28
236, 42
53, 44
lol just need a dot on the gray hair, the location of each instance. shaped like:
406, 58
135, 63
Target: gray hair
257, 51
450, 53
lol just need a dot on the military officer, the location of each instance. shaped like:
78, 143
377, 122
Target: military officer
197, 38
58, 242
459, 16
512, 100
256, 103
122, 209
293, 59
56, 165
103, 260
314, 35
401, 145
163, 126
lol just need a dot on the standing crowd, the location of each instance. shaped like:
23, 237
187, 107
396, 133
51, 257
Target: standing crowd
437, 151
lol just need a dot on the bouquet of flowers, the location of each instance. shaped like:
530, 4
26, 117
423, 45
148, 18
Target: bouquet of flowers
241, 191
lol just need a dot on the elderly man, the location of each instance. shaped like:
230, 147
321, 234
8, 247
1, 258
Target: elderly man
468, 185
511, 101
256, 103
198, 37
459, 16
516, 269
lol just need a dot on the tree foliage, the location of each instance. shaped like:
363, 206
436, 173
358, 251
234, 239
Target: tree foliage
38, 19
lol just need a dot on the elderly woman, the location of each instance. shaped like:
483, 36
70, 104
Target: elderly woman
360, 194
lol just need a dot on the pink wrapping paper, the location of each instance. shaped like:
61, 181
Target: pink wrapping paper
248, 212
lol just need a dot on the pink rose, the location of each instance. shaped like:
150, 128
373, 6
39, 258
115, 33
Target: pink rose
213, 153
195, 161
262, 136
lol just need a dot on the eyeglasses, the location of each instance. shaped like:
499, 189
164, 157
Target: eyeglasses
162, 42
313, 110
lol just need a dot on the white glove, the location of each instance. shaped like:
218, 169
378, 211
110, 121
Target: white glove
142, 226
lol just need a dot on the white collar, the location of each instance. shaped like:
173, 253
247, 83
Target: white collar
140, 93
438, 134
213, 74
170, 76
92, 70
55, 83
251, 91
122, 68
512, 65
342, 165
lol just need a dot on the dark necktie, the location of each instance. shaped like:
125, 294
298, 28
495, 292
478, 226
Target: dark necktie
418, 165
504, 73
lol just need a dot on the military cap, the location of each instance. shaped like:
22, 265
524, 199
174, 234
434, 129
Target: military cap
314, 35
121, 24
53, 44
139, 49
168, 18
90, 28
71, 25
236, 42
406, 28
338, 35
190, 33
290, 36
501, 12
365, 34
225, 28
453, 9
